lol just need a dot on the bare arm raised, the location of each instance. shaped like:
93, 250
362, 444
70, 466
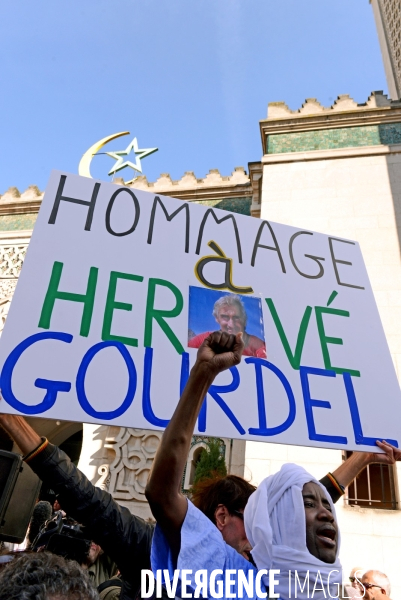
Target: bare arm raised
350, 468
219, 352
23, 435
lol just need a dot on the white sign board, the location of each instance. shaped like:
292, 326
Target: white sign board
120, 286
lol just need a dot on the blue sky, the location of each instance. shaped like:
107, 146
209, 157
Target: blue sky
192, 77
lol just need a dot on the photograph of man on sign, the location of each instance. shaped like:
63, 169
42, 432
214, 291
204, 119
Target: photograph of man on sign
232, 313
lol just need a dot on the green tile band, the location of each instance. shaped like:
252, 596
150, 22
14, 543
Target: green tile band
328, 139
241, 206
17, 222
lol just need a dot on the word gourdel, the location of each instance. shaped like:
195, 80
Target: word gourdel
53, 388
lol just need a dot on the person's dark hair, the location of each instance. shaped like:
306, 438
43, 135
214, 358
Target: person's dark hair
232, 491
45, 576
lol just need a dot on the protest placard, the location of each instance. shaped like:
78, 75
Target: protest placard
120, 287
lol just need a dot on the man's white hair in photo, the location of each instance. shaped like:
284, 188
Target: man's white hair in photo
230, 300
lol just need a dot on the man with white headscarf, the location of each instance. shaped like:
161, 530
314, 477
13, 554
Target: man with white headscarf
291, 525
290, 520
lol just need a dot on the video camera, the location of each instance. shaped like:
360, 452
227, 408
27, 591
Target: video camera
65, 537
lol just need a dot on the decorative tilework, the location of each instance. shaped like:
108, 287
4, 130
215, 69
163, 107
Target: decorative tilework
236, 205
17, 222
326, 139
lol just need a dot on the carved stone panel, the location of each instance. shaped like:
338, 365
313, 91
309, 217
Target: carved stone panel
4, 307
11, 259
134, 450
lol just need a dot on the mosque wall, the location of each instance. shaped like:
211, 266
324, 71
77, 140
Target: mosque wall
352, 191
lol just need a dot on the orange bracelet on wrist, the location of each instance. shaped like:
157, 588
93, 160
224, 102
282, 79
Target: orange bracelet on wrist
37, 450
340, 488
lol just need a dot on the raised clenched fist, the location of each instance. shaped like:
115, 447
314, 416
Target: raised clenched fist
220, 351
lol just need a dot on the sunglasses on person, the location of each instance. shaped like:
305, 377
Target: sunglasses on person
367, 586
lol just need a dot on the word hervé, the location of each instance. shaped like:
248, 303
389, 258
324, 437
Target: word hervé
265, 239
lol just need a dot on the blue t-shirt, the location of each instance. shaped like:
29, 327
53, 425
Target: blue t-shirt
203, 548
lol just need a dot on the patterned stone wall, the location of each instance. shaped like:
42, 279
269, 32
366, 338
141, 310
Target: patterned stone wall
125, 472
327, 139
134, 451
118, 460
11, 259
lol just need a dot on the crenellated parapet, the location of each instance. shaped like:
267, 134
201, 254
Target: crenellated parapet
189, 187
13, 202
344, 102
13, 193
343, 126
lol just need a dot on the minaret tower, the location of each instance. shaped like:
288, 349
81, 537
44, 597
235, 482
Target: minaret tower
388, 22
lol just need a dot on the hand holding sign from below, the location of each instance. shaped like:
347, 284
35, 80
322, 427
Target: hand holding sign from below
349, 469
20, 431
392, 454
219, 352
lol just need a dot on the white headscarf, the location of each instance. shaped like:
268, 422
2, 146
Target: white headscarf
276, 529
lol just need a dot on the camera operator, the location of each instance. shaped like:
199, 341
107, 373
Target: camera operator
100, 567
65, 537
57, 506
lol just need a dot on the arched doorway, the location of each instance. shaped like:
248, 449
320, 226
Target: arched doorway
72, 446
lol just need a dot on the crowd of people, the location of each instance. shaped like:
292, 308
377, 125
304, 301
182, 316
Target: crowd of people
282, 536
